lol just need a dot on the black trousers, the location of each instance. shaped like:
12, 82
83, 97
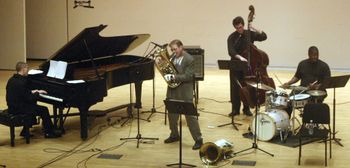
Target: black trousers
37, 110
234, 91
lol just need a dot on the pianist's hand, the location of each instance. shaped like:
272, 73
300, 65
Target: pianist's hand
169, 77
42, 92
39, 91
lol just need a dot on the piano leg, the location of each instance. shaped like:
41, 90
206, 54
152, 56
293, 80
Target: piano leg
83, 110
138, 91
55, 116
60, 114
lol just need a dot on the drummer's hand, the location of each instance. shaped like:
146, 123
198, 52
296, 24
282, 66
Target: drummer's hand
313, 86
284, 85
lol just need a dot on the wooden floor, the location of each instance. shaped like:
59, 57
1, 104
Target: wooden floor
105, 132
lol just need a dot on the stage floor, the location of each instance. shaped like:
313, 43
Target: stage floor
214, 106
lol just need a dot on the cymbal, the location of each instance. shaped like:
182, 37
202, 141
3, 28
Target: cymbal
316, 93
260, 86
296, 88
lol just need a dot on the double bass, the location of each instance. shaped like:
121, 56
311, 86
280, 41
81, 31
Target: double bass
257, 60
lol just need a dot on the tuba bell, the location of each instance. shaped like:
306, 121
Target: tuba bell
211, 153
165, 66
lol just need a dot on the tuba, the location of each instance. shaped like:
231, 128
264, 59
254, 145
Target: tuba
211, 153
165, 66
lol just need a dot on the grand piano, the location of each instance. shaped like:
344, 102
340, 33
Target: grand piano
99, 62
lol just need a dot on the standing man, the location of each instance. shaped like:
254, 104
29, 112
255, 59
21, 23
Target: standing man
21, 100
184, 64
237, 43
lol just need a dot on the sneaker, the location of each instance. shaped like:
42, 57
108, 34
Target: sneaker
172, 139
198, 144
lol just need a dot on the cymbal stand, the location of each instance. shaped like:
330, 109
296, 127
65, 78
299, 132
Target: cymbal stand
257, 107
293, 119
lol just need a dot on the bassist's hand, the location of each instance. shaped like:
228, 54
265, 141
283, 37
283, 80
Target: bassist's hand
241, 58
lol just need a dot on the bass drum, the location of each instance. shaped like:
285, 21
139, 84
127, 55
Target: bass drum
270, 123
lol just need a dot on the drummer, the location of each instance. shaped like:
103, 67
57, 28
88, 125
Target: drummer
311, 72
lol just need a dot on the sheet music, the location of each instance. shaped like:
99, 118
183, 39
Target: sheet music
57, 69
76, 81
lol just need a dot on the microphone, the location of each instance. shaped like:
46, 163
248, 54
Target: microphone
158, 45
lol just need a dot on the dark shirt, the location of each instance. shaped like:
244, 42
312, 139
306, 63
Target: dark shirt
18, 96
237, 43
309, 72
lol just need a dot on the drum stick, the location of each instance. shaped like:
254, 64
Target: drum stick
279, 81
313, 83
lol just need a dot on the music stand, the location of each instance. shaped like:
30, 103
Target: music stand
138, 136
235, 66
180, 107
335, 82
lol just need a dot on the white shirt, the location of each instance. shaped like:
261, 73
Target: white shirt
178, 60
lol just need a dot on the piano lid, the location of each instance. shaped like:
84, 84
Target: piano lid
89, 40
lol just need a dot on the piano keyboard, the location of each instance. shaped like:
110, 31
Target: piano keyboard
51, 97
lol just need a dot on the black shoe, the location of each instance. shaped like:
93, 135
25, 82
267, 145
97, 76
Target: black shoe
247, 113
57, 132
23, 134
52, 135
172, 139
198, 144
138, 105
233, 113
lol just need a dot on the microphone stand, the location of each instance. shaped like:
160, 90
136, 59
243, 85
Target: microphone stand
257, 107
153, 109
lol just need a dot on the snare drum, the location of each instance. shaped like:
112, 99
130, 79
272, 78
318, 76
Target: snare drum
276, 100
300, 100
270, 123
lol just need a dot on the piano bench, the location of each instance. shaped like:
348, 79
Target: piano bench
13, 121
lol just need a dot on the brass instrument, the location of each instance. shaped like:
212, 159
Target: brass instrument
211, 153
165, 66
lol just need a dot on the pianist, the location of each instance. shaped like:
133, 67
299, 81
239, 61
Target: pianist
21, 100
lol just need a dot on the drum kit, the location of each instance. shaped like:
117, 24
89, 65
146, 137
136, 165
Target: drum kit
275, 119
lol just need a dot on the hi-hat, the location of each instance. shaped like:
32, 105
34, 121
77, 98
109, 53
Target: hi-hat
260, 86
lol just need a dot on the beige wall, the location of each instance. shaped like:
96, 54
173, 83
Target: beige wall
12, 43
291, 25
46, 27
